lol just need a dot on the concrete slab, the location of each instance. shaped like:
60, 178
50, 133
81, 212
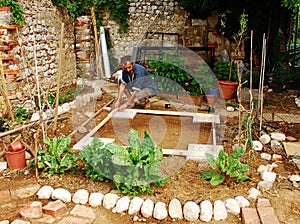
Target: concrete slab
292, 148
79, 145
210, 118
126, 114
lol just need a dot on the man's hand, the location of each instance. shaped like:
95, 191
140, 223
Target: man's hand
117, 104
125, 105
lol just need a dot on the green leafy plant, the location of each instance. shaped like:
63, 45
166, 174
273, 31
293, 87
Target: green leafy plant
58, 158
131, 168
226, 167
17, 11
21, 114
170, 76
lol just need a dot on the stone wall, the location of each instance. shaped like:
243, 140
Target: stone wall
38, 51
150, 16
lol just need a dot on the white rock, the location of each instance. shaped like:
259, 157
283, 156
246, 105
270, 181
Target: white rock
35, 116
110, 200
276, 157
3, 166
294, 178
160, 211
264, 185
265, 139
45, 192
275, 145
243, 202
81, 196
257, 146
232, 206
230, 109
268, 176
20, 221
253, 193
61, 194
266, 156
135, 205
65, 107
220, 212
278, 136
206, 211
89, 114
122, 204
191, 211
147, 208
262, 168
96, 199
4, 222
175, 209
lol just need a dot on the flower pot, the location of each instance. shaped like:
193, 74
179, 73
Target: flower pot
16, 146
210, 99
16, 160
190, 99
228, 89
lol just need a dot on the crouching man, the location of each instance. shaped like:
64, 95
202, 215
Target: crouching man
137, 84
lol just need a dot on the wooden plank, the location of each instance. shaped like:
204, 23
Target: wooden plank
199, 117
95, 129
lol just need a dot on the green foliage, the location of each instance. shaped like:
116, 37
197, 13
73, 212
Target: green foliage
131, 168
17, 11
118, 10
171, 77
199, 8
58, 158
226, 167
21, 114
222, 69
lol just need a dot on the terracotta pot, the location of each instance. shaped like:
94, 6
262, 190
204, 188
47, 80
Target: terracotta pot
228, 89
190, 99
210, 99
16, 160
16, 146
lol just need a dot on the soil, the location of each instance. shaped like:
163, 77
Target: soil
170, 133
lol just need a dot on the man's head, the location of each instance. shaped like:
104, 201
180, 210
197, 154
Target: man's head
128, 66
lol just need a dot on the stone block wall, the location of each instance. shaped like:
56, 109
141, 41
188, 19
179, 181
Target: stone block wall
149, 16
37, 51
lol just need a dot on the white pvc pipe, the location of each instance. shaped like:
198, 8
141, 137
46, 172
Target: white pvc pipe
104, 54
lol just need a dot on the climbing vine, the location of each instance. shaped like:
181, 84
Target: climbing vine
118, 10
17, 11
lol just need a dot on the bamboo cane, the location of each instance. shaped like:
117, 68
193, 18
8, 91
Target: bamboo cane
5, 94
99, 67
58, 79
38, 87
262, 84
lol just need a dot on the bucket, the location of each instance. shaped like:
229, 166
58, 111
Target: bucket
16, 160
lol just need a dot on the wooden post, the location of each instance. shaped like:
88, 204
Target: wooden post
4, 92
99, 68
58, 79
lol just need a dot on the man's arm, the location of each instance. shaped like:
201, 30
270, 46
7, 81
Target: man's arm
121, 90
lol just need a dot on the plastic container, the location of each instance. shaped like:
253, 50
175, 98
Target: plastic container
16, 160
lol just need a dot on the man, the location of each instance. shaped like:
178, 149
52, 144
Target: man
137, 84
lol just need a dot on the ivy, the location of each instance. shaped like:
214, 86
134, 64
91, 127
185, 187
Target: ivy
17, 11
118, 10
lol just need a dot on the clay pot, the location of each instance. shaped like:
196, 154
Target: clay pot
16, 146
228, 89
16, 160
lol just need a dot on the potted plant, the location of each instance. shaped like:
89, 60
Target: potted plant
227, 68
